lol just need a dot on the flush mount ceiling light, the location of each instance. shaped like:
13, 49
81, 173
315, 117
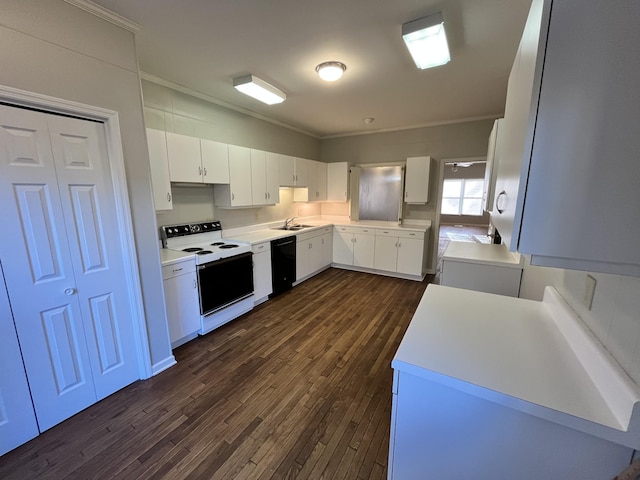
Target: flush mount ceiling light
331, 71
426, 40
259, 89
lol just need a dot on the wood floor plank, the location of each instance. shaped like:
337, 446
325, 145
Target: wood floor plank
300, 387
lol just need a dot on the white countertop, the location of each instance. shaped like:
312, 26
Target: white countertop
515, 352
169, 257
482, 253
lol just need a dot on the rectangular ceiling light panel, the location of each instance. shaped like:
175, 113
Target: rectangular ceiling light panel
259, 89
426, 40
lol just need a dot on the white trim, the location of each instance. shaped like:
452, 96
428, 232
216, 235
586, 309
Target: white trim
162, 365
207, 98
105, 14
113, 139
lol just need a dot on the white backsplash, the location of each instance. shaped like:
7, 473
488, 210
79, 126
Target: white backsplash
614, 317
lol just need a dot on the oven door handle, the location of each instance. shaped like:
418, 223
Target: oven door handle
224, 260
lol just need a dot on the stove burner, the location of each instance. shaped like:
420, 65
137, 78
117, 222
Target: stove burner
191, 249
204, 252
217, 244
229, 245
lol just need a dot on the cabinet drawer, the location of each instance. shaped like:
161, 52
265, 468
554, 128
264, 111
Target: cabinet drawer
410, 234
261, 247
175, 269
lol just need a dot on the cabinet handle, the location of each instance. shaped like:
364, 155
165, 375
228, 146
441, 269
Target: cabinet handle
501, 206
265, 195
168, 196
412, 234
200, 170
233, 197
195, 283
406, 194
269, 195
177, 269
205, 171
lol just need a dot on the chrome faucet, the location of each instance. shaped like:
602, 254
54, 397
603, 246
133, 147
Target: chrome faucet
288, 221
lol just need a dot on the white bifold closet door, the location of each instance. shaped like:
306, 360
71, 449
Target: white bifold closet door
63, 261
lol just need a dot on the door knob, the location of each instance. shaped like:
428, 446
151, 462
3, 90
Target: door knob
69, 291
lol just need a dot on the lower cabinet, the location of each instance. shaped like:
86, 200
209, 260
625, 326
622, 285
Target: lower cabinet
183, 304
313, 252
354, 246
399, 251
262, 285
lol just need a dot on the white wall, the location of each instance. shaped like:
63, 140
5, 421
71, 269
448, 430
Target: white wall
614, 317
56, 49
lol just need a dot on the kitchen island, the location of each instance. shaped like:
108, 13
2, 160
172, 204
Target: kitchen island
488, 386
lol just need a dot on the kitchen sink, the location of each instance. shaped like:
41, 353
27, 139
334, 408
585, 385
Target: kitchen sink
293, 227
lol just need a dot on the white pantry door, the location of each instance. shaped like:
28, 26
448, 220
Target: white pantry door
63, 261
17, 418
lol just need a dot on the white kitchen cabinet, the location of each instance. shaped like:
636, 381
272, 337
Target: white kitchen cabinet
491, 169
313, 252
17, 417
578, 175
287, 170
181, 297
316, 183
262, 285
321, 182
215, 161
258, 177
302, 171
484, 268
273, 178
416, 183
159, 164
338, 182
354, 246
185, 159
239, 191
399, 251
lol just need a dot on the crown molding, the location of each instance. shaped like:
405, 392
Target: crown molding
105, 14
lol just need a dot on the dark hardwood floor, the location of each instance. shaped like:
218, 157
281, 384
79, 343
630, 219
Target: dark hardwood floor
298, 388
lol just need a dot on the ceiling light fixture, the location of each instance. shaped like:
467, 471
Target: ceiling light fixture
259, 89
426, 40
331, 71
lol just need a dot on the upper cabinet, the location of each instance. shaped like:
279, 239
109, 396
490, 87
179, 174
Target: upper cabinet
491, 170
576, 89
159, 163
272, 162
316, 183
194, 160
416, 184
338, 182
238, 193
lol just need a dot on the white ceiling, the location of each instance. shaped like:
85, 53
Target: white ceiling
204, 44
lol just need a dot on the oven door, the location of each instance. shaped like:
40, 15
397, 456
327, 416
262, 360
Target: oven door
225, 281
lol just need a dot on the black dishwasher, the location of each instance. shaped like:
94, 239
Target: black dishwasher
283, 264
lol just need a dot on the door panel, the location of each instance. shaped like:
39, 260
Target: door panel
84, 178
17, 418
47, 320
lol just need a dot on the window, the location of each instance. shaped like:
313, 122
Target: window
462, 196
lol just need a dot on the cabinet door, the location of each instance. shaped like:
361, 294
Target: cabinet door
273, 178
287, 171
185, 161
416, 184
363, 250
327, 248
215, 161
312, 180
258, 177
159, 163
304, 265
338, 182
410, 253
581, 194
342, 247
301, 172
321, 182
262, 283
17, 418
317, 256
491, 169
240, 176
183, 309
386, 254
523, 79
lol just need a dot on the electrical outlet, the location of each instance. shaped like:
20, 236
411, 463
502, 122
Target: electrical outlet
589, 290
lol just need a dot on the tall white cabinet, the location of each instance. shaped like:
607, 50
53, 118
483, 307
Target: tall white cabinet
416, 183
159, 163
